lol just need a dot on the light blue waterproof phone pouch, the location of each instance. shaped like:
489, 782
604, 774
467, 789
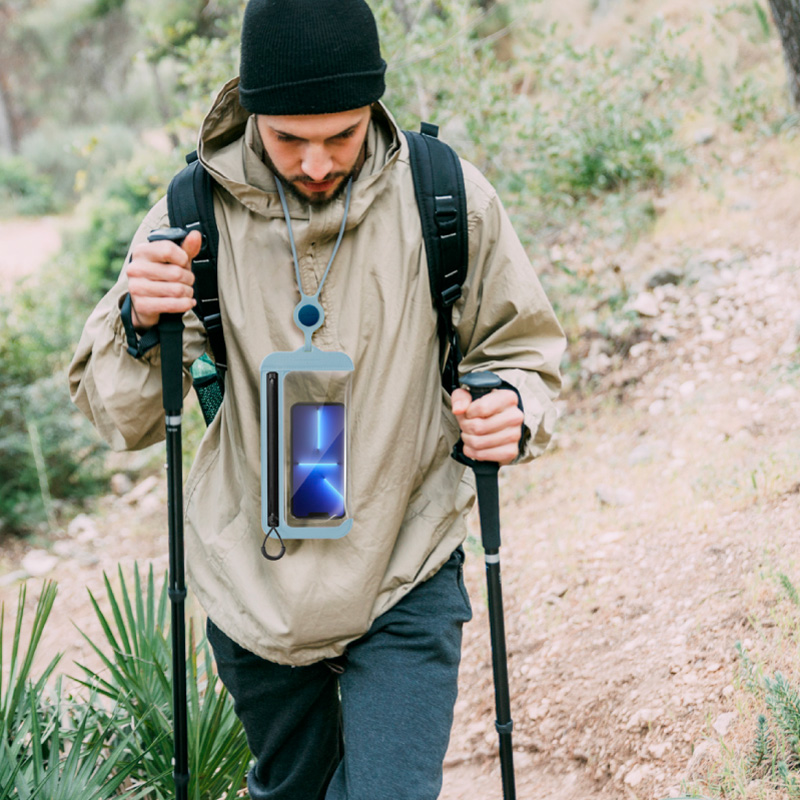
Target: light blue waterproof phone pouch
304, 444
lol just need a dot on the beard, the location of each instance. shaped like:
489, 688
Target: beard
290, 183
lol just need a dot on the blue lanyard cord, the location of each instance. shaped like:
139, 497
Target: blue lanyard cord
291, 237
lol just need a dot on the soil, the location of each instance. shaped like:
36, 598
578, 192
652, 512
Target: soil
640, 549
27, 244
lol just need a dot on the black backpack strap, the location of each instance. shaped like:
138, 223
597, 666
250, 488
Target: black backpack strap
442, 201
190, 203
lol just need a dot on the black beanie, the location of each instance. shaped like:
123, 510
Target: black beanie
309, 57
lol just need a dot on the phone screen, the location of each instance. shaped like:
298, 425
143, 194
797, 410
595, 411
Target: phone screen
318, 469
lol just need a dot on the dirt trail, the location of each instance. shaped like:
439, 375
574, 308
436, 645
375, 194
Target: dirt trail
25, 246
647, 543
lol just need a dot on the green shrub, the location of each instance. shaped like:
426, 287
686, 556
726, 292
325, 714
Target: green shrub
60, 163
775, 752
136, 677
23, 190
114, 211
55, 746
49, 453
116, 741
556, 128
49, 746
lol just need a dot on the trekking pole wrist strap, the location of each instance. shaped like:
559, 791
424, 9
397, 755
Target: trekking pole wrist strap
138, 344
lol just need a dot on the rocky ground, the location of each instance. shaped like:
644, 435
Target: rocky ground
649, 541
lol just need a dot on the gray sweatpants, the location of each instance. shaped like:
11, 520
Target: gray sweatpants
386, 738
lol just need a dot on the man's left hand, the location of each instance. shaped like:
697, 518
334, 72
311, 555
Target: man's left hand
491, 426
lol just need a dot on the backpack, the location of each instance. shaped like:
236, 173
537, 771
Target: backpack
441, 199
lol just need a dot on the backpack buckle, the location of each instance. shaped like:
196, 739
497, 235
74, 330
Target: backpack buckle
445, 213
450, 295
212, 321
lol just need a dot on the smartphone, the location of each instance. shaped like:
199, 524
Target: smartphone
318, 461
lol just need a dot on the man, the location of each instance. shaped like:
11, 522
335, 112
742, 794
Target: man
342, 657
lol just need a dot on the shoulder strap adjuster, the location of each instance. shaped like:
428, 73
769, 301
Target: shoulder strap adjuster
446, 215
450, 295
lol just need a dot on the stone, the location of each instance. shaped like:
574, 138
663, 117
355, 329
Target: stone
642, 454
713, 336
722, 724
646, 305
598, 364
665, 331
703, 754
121, 484
636, 775
64, 549
38, 563
704, 135
659, 749
612, 496
81, 524
538, 710
555, 593
144, 488
664, 276
13, 577
745, 349
150, 504
644, 718
785, 393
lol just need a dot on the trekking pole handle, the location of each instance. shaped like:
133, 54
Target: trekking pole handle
171, 337
480, 383
477, 384
176, 235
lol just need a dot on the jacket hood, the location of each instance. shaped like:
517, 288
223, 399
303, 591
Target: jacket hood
230, 148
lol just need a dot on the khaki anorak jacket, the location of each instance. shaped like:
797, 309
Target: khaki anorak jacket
408, 498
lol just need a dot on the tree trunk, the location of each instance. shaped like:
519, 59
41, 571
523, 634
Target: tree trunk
786, 14
496, 25
403, 12
8, 141
162, 104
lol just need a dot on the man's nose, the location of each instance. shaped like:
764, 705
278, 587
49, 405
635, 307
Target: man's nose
317, 163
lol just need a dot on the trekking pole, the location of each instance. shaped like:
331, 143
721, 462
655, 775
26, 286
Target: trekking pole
171, 337
479, 384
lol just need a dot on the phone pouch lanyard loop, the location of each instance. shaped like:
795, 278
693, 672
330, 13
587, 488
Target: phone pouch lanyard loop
264, 552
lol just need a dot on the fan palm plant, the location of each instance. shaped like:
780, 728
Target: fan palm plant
136, 677
49, 746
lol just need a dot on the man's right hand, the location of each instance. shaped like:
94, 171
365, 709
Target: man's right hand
160, 279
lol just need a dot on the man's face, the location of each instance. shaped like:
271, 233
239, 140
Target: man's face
314, 154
